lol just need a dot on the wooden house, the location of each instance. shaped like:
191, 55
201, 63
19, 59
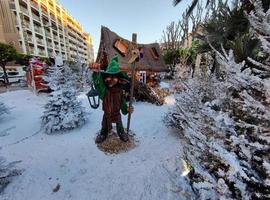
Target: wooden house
149, 66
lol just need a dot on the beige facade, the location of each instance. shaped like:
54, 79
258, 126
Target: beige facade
44, 28
8, 31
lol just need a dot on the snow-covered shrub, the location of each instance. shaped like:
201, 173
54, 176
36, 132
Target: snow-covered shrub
7, 173
225, 125
63, 111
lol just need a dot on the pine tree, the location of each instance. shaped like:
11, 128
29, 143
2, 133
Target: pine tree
63, 111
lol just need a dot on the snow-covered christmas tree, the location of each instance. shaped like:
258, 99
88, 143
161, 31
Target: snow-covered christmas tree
63, 111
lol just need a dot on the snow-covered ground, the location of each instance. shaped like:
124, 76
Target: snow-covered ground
73, 161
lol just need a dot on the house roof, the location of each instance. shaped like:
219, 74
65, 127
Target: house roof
149, 62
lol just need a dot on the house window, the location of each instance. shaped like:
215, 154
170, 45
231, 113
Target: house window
121, 46
143, 76
154, 53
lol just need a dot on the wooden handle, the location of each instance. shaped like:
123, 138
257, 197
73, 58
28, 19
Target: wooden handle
134, 41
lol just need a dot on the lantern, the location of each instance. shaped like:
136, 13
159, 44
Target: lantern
93, 97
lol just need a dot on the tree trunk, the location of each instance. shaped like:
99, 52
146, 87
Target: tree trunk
5, 74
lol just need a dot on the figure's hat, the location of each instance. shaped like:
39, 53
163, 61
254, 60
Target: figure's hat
113, 67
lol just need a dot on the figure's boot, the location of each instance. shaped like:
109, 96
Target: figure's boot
121, 132
101, 137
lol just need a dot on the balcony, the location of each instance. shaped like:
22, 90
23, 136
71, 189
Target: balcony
53, 18
55, 38
24, 11
36, 18
40, 42
49, 45
41, 53
26, 26
34, 5
38, 30
48, 34
30, 40
45, 14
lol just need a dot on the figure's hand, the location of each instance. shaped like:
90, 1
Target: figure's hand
94, 67
130, 109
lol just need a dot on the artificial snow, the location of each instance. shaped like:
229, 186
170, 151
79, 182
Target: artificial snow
70, 166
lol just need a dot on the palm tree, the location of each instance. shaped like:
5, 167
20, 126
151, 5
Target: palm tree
246, 4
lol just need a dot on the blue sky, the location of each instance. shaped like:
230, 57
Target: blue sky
147, 18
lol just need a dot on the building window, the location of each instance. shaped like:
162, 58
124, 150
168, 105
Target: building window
154, 53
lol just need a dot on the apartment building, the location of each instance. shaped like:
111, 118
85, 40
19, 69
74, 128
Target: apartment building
44, 28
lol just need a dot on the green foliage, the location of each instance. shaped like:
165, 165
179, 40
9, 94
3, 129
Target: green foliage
47, 60
7, 54
229, 28
172, 57
224, 26
189, 54
23, 59
244, 46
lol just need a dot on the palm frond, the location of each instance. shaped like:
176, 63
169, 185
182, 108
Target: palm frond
176, 2
191, 8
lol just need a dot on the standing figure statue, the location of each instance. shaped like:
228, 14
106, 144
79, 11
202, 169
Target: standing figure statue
110, 85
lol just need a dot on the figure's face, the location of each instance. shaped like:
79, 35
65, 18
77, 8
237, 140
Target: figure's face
111, 81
